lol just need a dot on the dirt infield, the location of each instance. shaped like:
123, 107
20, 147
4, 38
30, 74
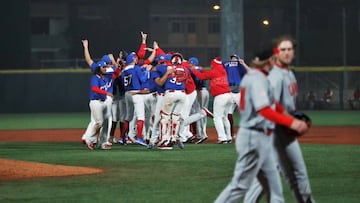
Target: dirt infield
8, 171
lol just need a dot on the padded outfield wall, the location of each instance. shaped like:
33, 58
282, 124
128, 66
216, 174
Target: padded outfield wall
40, 91
67, 90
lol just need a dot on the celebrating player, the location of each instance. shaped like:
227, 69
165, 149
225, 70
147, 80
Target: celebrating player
220, 90
235, 69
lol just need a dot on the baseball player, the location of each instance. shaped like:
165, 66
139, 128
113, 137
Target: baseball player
287, 148
145, 95
284, 83
201, 102
111, 73
173, 79
220, 90
191, 94
258, 113
118, 108
132, 77
235, 69
98, 95
160, 95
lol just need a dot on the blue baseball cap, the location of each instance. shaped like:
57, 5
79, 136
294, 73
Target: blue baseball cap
168, 57
235, 55
194, 61
130, 58
161, 58
106, 58
101, 63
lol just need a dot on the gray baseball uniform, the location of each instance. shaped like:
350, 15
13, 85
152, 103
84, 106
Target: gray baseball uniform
287, 148
253, 142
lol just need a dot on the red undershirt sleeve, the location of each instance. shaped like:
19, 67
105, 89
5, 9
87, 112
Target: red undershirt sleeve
159, 51
98, 90
276, 117
147, 62
116, 73
141, 53
279, 108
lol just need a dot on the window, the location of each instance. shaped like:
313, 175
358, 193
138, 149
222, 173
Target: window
191, 26
176, 25
40, 26
214, 25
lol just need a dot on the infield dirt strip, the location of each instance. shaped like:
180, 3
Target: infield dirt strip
319, 135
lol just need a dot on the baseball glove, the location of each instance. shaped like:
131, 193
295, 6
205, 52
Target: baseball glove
180, 75
301, 116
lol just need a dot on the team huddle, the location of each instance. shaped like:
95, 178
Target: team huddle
161, 101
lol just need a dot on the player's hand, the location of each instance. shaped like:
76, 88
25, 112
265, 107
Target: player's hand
85, 42
143, 37
300, 126
155, 45
169, 70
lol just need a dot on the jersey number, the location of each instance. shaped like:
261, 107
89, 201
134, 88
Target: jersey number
127, 80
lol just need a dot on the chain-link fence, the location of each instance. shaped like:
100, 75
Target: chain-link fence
324, 88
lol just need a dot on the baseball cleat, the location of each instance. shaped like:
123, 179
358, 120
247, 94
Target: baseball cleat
83, 141
201, 140
140, 141
164, 147
181, 145
222, 142
91, 146
208, 113
105, 146
150, 146
122, 141
191, 139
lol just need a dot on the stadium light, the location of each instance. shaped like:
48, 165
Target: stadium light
216, 7
266, 22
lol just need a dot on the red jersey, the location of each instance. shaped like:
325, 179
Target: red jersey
217, 76
189, 82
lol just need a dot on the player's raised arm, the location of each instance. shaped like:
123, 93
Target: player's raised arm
142, 50
88, 59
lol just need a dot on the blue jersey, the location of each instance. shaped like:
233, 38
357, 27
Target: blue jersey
97, 81
132, 77
109, 78
150, 83
154, 75
235, 71
171, 83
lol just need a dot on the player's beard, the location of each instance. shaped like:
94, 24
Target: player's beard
285, 63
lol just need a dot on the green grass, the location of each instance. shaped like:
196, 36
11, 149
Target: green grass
80, 120
196, 174
135, 174
44, 121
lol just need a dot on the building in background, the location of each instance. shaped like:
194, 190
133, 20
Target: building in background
51, 31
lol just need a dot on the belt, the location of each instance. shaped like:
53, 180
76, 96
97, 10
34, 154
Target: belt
99, 99
160, 94
176, 90
267, 131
